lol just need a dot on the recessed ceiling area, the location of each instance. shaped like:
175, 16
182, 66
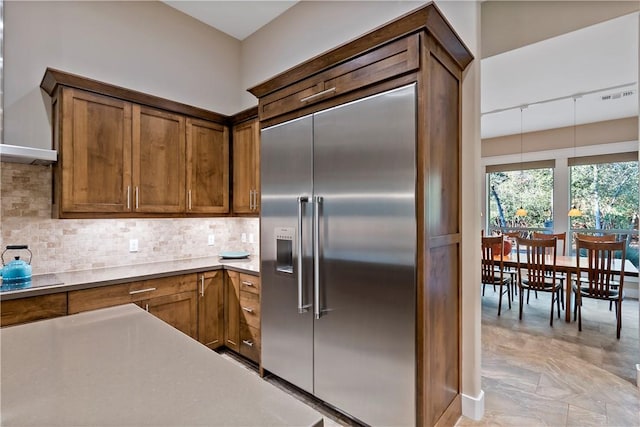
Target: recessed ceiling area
595, 62
238, 18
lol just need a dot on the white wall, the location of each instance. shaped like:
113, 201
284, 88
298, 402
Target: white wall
310, 28
146, 46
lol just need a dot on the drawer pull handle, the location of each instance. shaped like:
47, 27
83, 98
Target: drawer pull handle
231, 342
202, 285
247, 283
247, 309
142, 291
247, 342
316, 95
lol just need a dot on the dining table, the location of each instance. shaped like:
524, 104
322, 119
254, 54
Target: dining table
569, 266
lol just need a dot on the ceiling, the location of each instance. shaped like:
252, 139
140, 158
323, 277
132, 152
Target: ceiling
597, 64
238, 18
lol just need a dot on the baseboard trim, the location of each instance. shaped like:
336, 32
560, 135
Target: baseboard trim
473, 407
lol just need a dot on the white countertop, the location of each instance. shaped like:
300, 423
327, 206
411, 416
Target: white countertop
121, 366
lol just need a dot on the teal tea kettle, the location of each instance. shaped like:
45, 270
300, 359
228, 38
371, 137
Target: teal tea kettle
17, 273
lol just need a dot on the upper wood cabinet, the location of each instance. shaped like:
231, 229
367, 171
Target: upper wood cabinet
246, 167
122, 153
207, 167
158, 161
93, 138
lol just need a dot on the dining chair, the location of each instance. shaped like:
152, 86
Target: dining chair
560, 237
596, 238
512, 236
599, 281
536, 257
493, 268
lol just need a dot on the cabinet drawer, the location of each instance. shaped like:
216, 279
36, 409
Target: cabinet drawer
384, 62
250, 342
250, 309
249, 283
33, 308
107, 296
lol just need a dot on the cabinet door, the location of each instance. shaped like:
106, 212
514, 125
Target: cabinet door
207, 167
232, 310
178, 310
246, 173
211, 308
158, 161
95, 153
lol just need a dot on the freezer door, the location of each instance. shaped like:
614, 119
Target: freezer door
287, 324
364, 179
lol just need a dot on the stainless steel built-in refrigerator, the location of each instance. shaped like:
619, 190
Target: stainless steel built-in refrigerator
338, 248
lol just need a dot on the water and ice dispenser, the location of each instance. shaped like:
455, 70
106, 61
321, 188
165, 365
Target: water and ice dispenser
284, 249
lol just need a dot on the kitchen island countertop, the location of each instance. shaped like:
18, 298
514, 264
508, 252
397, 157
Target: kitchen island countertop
123, 366
44, 284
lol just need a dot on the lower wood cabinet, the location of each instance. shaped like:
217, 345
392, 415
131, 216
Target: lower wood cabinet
211, 308
172, 299
178, 310
232, 311
218, 307
25, 310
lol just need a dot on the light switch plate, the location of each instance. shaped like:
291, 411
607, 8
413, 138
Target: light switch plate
133, 245
211, 239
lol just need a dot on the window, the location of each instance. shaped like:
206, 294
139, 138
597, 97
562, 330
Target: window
605, 189
530, 188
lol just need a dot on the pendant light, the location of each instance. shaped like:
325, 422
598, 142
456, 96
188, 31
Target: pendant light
574, 211
521, 211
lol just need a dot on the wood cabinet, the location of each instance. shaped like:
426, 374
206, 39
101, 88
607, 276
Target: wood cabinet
29, 309
93, 136
211, 308
122, 153
246, 167
207, 167
158, 161
232, 311
172, 299
250, 343
242, 314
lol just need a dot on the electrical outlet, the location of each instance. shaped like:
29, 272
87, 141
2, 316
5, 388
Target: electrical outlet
243, 237
133, 245
250, 237
211, 240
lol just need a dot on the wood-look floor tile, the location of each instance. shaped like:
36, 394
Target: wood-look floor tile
585, 377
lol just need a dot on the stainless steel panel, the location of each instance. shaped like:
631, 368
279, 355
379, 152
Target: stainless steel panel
364, 341
286, 174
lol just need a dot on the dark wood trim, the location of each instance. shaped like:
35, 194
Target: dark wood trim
54, 78
244, 115
427, 18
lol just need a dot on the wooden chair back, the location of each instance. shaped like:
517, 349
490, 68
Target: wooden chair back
599, 280
492, 258
538, 260
595, 238
560, 237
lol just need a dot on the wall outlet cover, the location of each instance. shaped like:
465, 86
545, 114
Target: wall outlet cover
133, 245
211, 239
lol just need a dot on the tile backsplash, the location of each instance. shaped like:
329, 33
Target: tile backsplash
80, 244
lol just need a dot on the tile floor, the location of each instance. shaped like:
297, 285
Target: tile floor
535, 375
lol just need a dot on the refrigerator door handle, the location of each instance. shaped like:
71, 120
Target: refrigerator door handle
302, 308
317, 200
